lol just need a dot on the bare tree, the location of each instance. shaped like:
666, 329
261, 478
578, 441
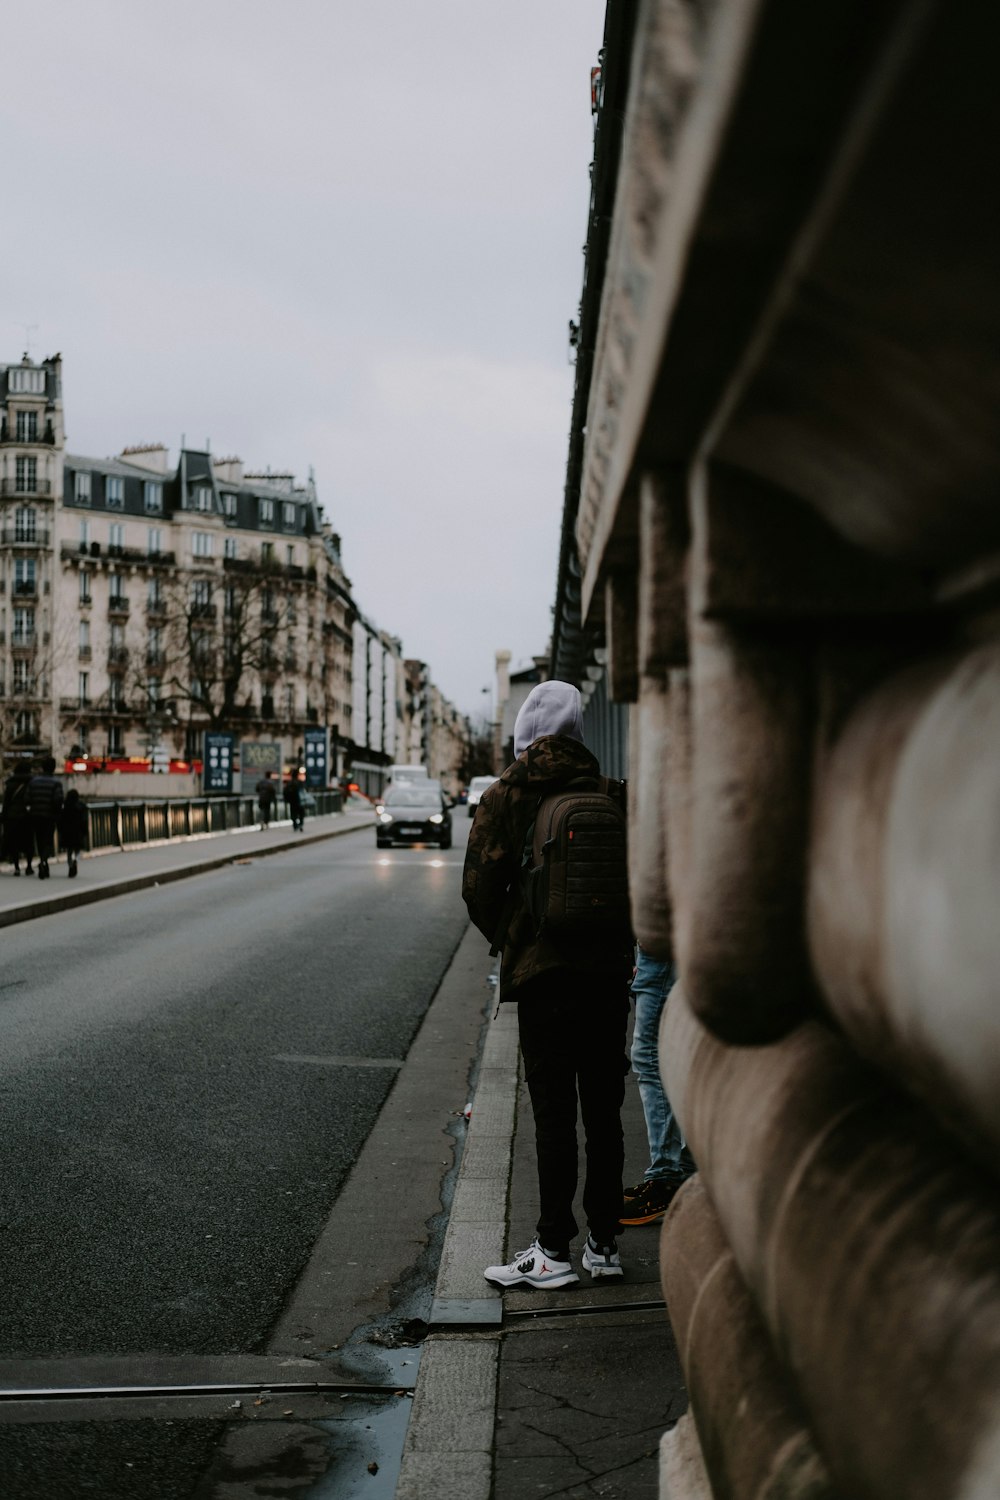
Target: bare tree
212, 642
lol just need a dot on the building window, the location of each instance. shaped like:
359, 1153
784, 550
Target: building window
25, 524
84, 534
22, 681
24, 627
25, 727
201, 593
85, 596
27, 427
152, 497
84, 637
154, 595
81, 489
116, 537
155, 541
202, 497
230, 602
267, 552
24, 575
290, 555
114, 492
266, 512
26, 474
116, 591
230, 546
289, 701
116, 735
27, 382
288, 514
83, 688
229, 506
203, 544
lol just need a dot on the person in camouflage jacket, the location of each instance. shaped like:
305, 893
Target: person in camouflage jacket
572, 1007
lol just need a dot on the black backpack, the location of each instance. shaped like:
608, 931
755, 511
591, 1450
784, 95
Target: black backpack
573, 880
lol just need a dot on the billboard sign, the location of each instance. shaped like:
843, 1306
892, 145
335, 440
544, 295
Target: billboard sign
217, 761
257, 757
317, 757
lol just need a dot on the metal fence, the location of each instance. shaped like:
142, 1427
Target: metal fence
116, 824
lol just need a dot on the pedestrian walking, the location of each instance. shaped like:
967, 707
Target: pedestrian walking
572, 1004
266, 798
45, 800
293, 800
73, 829
670, 1161
18, 837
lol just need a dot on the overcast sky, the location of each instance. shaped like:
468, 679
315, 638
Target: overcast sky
329, 234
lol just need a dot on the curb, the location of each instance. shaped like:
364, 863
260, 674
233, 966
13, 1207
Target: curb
87, 895
450, 1436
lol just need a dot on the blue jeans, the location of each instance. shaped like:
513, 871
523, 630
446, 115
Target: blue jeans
668, 1152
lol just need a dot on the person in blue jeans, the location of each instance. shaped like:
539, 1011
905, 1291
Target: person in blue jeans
670, 1161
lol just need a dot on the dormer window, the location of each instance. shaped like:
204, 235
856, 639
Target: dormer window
152, 497
266, 512
114, 493
229, 506
81, 488
27, 382
289, 513
203, 497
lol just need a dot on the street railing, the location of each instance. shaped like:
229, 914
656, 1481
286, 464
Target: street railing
118, 824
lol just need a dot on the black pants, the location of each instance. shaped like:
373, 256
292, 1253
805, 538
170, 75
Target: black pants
572, 1032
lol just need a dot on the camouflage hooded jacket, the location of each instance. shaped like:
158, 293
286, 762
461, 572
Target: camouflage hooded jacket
493, 858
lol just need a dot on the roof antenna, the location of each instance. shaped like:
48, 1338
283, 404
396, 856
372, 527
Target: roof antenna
29, 329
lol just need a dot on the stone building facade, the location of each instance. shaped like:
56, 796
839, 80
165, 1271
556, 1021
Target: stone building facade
781, 541
143, 603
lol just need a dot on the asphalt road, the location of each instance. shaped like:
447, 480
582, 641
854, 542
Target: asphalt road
187, 1075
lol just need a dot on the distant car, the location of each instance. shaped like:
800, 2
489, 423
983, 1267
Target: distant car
413, 812
477, 787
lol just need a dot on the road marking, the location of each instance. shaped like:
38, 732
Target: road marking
339, 1062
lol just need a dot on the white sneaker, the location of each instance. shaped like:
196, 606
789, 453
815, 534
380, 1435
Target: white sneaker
532, 1267
602, 1260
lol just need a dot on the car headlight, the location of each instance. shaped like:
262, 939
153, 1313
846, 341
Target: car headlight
380, 808
437, 818
385, 817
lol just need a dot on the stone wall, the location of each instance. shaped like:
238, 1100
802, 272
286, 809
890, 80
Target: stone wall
788, 532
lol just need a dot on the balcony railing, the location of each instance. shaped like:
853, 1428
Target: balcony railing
47, 437
22, 487
156, 658
26, 536
117, 656
25, 589
118, 605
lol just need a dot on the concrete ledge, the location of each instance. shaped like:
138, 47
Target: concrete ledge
682, 1467
478, 1221
449, 1442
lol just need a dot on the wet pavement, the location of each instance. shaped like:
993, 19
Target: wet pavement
428, 1383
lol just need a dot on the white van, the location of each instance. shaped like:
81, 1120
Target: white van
477, 787
407, 773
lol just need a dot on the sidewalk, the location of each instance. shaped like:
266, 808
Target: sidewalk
529, 1393
116, 872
